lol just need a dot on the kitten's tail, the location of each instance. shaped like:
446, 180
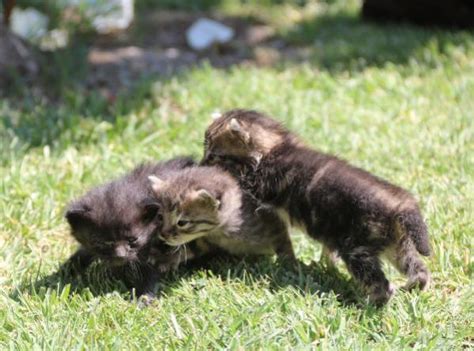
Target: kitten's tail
412, 224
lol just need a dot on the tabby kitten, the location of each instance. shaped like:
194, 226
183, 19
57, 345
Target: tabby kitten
349, 210
115, 222
206, 205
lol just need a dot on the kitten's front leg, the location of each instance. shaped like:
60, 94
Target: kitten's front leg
284, 248
146, 288
78, 262
365, 267
281, 236
141, 278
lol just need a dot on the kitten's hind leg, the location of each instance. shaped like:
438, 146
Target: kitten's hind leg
329, 257
284, 248
364, 265
406, 259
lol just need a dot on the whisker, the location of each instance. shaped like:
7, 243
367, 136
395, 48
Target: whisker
185, 253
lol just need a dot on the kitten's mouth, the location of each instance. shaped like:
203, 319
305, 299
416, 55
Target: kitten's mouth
180, 240
172, 243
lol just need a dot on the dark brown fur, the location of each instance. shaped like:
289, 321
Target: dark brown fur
349, 210
115, 222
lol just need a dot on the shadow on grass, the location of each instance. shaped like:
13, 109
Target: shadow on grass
313, 279
342, 42
99, 280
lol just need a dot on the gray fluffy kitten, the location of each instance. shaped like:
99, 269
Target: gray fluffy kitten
205, 205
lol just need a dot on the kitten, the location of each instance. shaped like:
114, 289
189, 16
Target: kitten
115, 222
205, 205
349, 210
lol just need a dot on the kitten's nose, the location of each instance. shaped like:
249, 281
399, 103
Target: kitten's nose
166, 234
121, 251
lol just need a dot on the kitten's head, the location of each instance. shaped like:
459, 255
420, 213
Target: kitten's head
116, 221
192, 203
116, 230
241, 134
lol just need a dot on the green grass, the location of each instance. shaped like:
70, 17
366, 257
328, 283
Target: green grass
397, 101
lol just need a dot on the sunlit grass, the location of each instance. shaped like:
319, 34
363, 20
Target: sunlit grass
402, 112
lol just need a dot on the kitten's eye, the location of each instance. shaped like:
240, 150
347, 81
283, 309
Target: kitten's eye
213, 158
182, 223
131, 240
151, 211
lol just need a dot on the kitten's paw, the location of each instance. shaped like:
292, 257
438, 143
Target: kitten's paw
164, 268
146, 300
421, 281
288, 259
380, 295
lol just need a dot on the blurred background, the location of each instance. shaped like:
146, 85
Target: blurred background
98, 59
108, 45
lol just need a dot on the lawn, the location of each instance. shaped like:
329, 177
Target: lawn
395, 100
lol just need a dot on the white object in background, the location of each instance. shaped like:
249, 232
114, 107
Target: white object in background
216, 114
29, 23
205, 32
54, 39
118, 17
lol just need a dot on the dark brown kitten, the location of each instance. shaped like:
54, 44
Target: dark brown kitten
206, 204
349, 210
115, 222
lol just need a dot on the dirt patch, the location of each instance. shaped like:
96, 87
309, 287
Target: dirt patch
156, 45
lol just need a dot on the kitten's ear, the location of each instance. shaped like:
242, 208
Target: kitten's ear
206, 198
78, 213
235, 127
157, 184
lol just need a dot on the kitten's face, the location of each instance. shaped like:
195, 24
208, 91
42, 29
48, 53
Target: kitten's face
226, 139
186, 213
116, 232
233, 136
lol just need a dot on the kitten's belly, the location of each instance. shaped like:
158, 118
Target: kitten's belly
239, 247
